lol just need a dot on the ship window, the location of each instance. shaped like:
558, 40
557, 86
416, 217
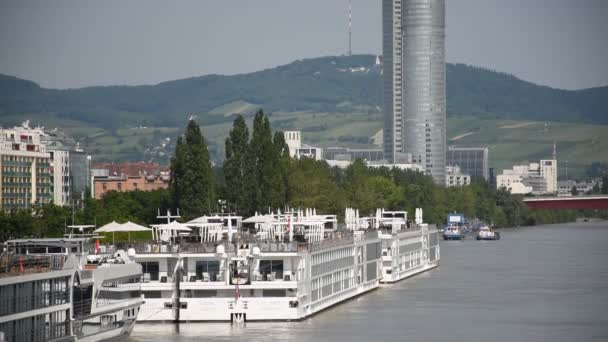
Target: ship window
152, 294
151, 268
274, 267
204, 293
207, 270
273, 293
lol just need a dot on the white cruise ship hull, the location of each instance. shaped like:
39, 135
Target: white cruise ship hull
409, 253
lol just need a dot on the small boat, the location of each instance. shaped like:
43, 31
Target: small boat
453, 233
485, 233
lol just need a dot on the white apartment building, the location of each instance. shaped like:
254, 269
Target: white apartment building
536, 178
25, 168
455, 177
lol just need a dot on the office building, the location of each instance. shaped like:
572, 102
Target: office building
414, 83
346, 153
471, 160
70, 166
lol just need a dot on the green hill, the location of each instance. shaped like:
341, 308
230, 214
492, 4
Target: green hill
320, 84
334, 100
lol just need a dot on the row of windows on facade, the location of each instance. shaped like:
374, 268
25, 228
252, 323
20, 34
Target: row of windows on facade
28, 180
104, 186
218, 294
210, 269
23, 202
331, 255
24, 159
24, 169
32, 295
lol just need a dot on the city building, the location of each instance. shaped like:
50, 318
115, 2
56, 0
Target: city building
70, 165
26, 177
102, 184
293, 139
455, 177
128, 176
130, 168
471, 160
414, 83
564, 188
535, 178
401, 166
345, 153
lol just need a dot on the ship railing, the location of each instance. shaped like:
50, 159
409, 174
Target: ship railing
160, 248
14, 265
279, 247
330, 243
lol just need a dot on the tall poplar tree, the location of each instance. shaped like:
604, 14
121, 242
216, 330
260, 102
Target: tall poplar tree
235, 166
192, 179
282, 165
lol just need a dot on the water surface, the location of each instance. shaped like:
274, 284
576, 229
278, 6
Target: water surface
545, 283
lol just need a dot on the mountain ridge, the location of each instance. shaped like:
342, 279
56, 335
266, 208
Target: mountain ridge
325, 84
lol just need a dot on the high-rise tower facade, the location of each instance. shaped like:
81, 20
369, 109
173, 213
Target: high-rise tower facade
414, 83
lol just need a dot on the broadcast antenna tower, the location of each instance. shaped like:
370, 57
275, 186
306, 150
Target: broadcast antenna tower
350, 25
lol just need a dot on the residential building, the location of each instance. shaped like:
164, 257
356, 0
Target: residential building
414, 83
25, 168
130, 168
471, 160
102, 184
455, 177
564, 188
536, 178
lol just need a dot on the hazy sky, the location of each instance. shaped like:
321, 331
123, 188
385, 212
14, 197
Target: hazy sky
62, 44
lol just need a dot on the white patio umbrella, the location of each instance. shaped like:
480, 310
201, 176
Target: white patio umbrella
108, 228
132, 227
172, 228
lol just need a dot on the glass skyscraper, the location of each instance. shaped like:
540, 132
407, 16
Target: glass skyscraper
414, 83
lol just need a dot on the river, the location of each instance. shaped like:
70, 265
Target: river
544, 283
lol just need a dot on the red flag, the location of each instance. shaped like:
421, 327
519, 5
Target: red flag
97, 247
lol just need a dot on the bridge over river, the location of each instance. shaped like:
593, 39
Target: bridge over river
573, 202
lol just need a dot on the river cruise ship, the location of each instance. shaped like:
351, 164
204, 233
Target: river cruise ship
54, 290
408, 248
269, 267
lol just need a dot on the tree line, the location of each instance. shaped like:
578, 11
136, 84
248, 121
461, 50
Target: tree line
258, 175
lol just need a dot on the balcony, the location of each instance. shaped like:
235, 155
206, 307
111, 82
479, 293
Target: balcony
16, 174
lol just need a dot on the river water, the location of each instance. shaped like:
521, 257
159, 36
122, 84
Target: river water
545, 283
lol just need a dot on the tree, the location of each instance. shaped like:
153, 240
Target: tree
192, 179
574, 191
605, 184
235, 165
265, 179
282, 160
